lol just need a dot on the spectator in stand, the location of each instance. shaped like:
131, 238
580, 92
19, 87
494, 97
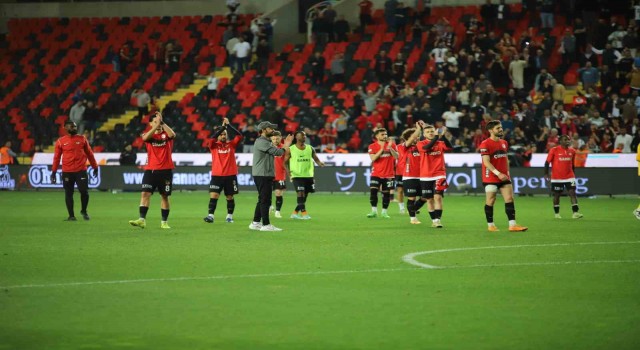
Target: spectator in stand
337, 68
452, 120
159, 55
401, 14
7, 155
616, 38
128, 156
541, 78
559, 91
76, 115
142, 102
91, 119
606, 146
370, 99
212, 85
125, 58
276, 117
262, 54
389, 14
624, 139
552, 140
488, 14
250, 135
321, 28
231, 55
567, 48
382, 67
328, 136
317, 63
330, 15
547, 9
516, 72
342, 29
242, 51
145, 56
416, 34
399, 68
173, 53
233, 5
503, 15
365, 14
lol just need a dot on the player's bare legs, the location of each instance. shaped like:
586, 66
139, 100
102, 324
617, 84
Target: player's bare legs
490, 200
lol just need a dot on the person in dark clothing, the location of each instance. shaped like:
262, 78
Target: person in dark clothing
262, 52
128, 156
317, 63
382, 67
91, 117
145, 56
488, 14
341, 28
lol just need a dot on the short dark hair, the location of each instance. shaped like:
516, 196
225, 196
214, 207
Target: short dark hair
492, 124
69, 121
407, 133
276, 133
379, 130
300, 132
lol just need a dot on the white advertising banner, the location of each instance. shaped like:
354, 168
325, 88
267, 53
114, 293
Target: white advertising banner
354, 159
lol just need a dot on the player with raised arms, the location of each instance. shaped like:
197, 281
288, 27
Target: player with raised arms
562, 175
409, 156
158, 172
383, 153
224, 170
433, 175
495, 176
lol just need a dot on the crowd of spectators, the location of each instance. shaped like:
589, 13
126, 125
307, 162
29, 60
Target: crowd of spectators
487, 74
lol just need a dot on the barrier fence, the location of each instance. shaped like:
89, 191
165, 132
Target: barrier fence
589, 181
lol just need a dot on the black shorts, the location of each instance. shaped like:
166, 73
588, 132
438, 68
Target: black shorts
497, 184
160, 179
383, 184
561, 186
429, 189
306, 184
227, 183
399, 182
412, 188
69, 180
279, 185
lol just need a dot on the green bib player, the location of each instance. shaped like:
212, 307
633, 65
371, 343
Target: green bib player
299, 163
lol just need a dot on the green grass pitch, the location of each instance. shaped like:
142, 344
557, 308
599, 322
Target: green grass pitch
337, 281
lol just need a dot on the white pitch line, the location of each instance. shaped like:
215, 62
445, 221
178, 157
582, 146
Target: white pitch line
419, 267
410, 258
201, 278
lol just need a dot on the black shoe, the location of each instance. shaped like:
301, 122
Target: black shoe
85, 216
71, 218
208, 219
